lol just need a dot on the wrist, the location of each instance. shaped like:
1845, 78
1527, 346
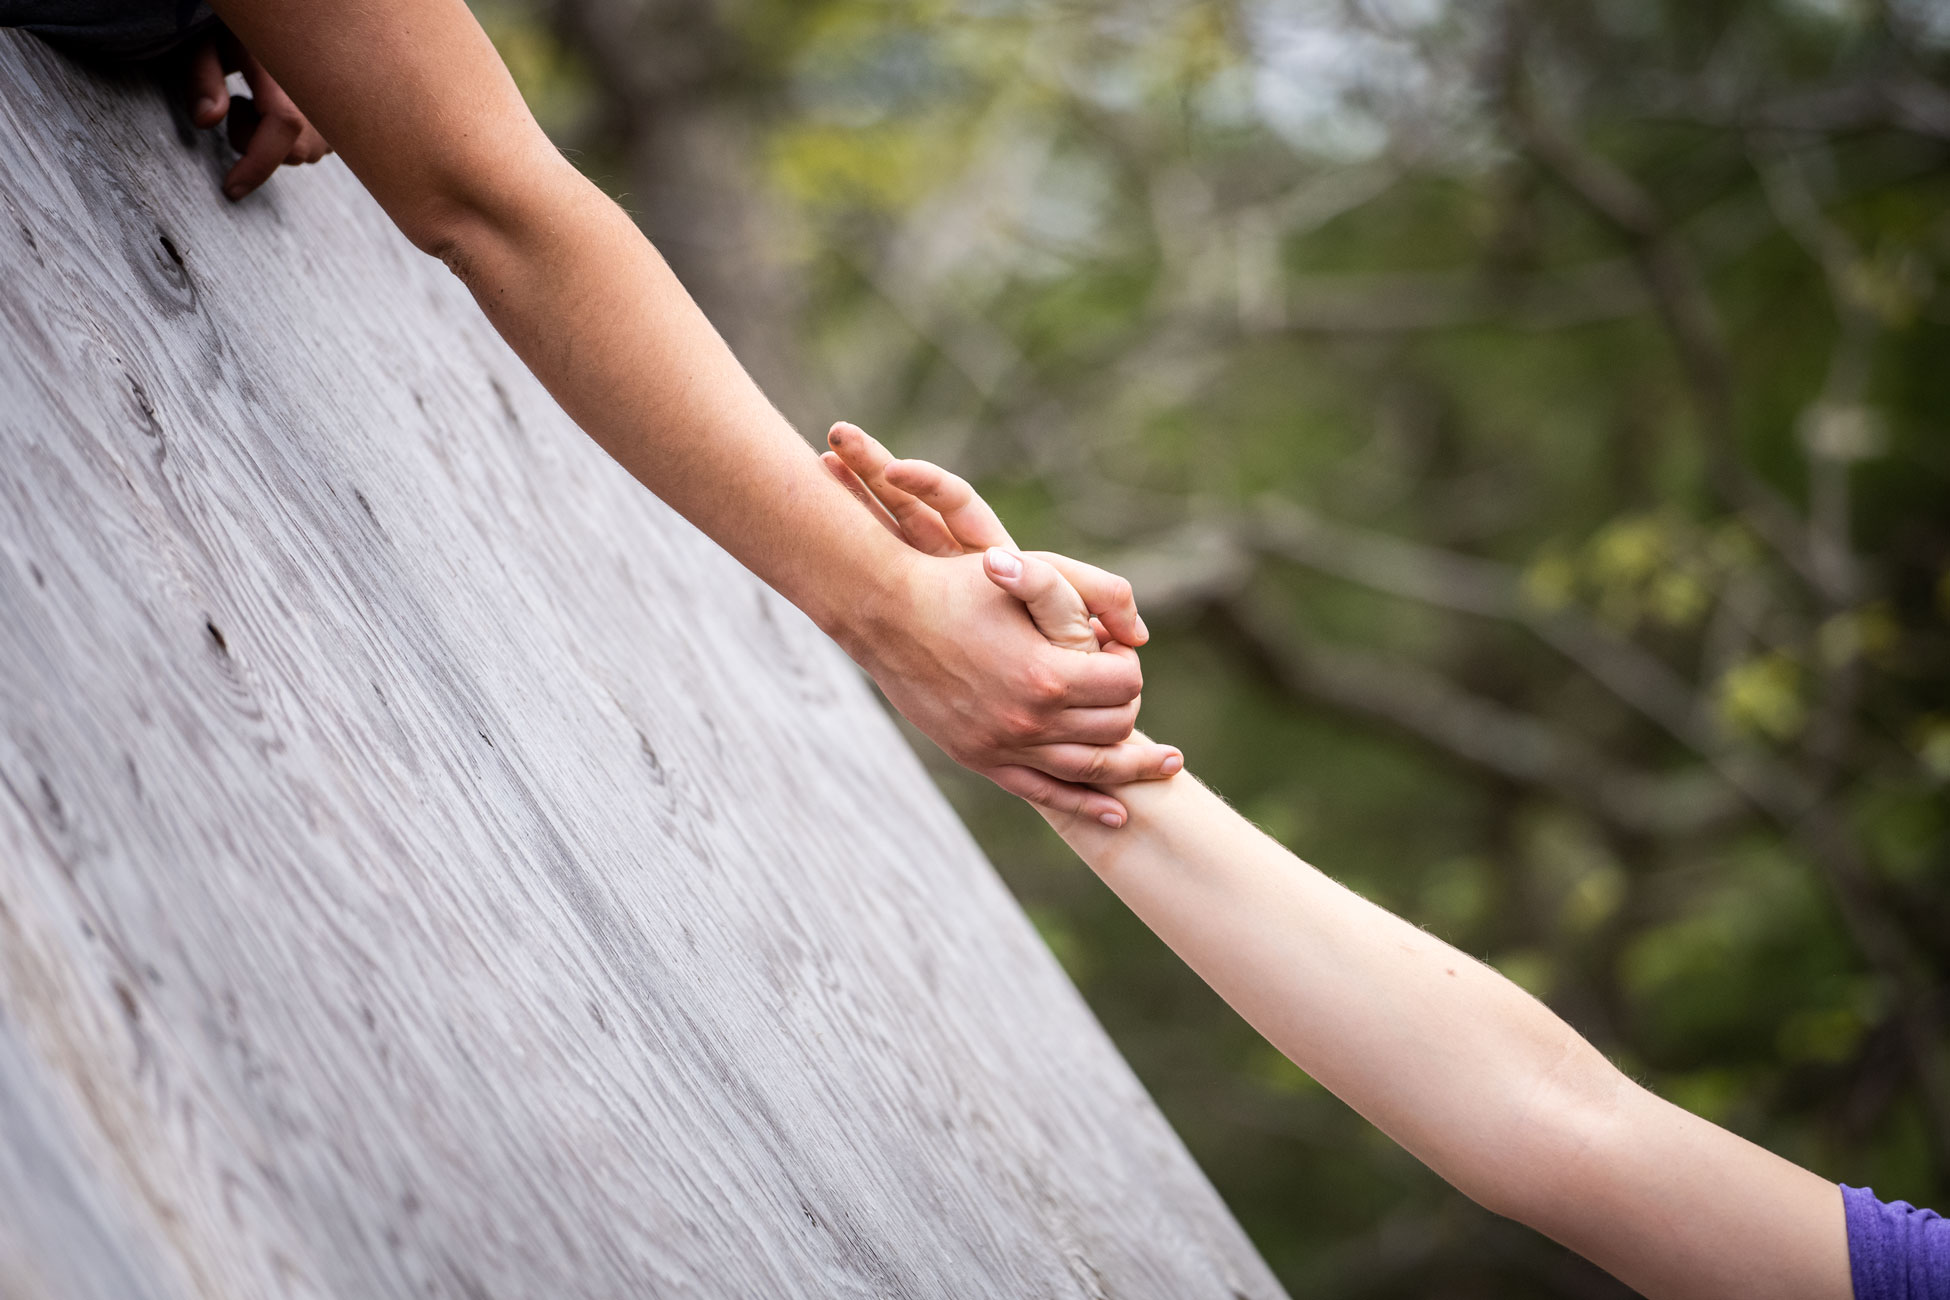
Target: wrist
870, 612
1166, 826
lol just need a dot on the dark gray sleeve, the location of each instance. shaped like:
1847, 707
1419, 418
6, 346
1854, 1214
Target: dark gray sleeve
121, 30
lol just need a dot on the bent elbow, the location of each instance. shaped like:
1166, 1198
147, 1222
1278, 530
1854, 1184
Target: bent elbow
449, 215
447, 226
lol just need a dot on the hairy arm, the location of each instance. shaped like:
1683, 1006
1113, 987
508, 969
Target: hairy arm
1472, 1075
417, 102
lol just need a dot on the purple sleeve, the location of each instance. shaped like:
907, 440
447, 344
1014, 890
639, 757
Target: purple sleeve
1895, 1252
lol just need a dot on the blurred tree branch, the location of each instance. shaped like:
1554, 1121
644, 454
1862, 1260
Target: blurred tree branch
1426, 707
1677, 290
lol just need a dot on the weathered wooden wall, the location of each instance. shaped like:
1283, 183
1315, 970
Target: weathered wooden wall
427, 867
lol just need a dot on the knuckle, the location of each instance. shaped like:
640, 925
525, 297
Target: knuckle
1042, 686
1120, 591
1016, 726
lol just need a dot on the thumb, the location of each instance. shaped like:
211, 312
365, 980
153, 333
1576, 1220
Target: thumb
1053, 604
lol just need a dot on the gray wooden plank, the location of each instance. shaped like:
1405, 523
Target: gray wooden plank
427, 866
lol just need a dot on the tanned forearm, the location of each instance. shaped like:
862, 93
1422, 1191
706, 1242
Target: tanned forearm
648, 377
418, 103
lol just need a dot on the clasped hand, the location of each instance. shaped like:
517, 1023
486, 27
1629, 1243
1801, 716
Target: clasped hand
1028, 672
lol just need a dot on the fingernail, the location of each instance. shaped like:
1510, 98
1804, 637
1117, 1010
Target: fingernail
205, 106
1172, 763
1112, 820
1144, 633
1004, 563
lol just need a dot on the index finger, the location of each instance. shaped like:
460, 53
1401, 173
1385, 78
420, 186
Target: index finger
278, 125
863, 454
960, 506
843, 472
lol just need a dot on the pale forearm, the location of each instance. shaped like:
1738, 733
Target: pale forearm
1439, 1051
1469, 1073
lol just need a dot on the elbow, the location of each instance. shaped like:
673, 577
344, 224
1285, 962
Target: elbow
438, 229
1559, 1139
448, 224
455, 213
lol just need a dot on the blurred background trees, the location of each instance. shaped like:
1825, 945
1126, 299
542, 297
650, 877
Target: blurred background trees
1526, 426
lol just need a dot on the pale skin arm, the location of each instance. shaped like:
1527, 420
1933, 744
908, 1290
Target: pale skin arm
416, 101
1475, 1077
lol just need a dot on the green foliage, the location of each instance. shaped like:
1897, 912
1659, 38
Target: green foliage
553, 80
1763, 697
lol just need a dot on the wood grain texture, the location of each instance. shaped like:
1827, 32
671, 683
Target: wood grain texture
427, 866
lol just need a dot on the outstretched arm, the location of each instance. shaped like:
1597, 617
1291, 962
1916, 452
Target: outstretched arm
416, 101
1475, 1077
1472, 1075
